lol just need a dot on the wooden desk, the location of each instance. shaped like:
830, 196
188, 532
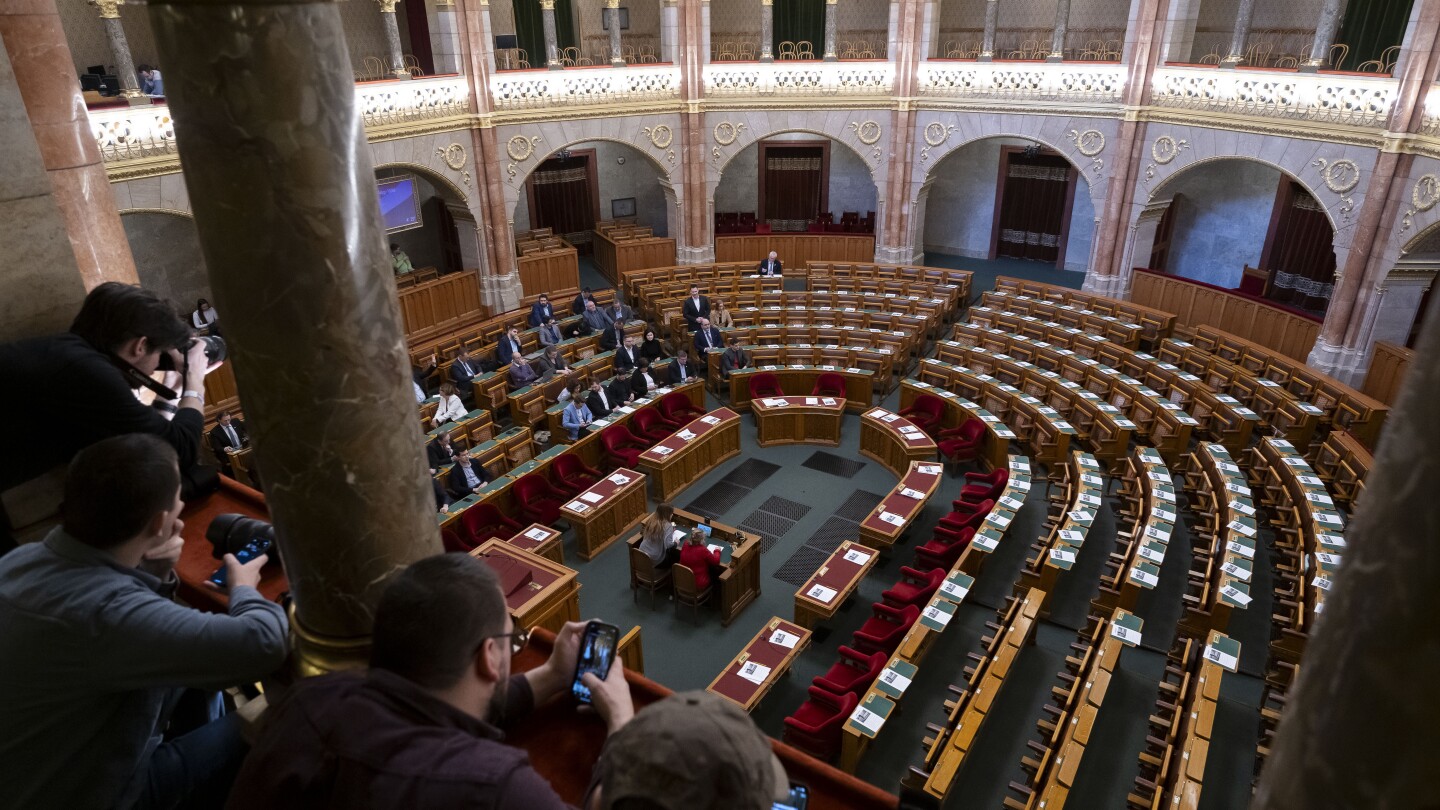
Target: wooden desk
859, 383
894, 441
739, 563
833, 583
878, 532
539, 592
676, 462
541, 541
600, 514
762, 651
798, 420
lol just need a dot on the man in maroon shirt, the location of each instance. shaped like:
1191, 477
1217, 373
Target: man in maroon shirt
421, 728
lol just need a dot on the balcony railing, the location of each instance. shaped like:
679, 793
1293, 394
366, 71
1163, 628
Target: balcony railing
135, 133
1321, 97
526, 89
1088, 82
798, 78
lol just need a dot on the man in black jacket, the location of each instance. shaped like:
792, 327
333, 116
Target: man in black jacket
462, 371
227, 435
619, 390
627, 356
707, 337
696, 307
440, 452
465, 477
599, 401
681, 371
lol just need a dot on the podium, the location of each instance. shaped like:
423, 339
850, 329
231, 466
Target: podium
539, 592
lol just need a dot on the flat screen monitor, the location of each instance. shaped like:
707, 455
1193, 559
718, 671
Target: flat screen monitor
399, 203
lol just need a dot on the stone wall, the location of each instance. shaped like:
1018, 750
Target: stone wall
851, 186
1222, 220
167, 256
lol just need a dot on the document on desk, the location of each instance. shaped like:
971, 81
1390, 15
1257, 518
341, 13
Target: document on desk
1241, 549
812, 400
1222, 658
937, 615
1062, 556
820, 593
1243, 508
686, 435
868, 720
1237, 526
1013, 504
591, 497
1081, 516
754, 673
1125, 634
894, 680
537, 534
1235, 595
912, 494
663, 450
828, 401
577, 506
784, 639
1153, 552
892, 518
1236, 571
1144, 578
889, 417
710, 420
928, 469
620, 479
856, 556
1072, 537
1086, 499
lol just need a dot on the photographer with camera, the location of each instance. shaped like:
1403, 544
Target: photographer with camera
122, 335
101, 665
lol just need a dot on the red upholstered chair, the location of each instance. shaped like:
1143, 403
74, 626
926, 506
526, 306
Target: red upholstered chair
943, 550
678, 408
965, 514
983, 486
483, 521
762, 227
884, 629
926, 412
962, 443
571, 475
915, 587
647, 425
815, 227
853, 673
623, 447
829, 384
538, 499
765, 384
815, 727
453, 541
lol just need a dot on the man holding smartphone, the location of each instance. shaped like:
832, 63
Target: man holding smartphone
422, 729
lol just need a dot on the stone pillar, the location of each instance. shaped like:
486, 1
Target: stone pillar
1062, 24
120, 51
704, 32
552, 45
45, 74
830, 32
1324, 36
612, 13
695, 242
1359, 723
1242, 33
392, 40
987, 43
280, 176
445, 39
767, 30
894, 237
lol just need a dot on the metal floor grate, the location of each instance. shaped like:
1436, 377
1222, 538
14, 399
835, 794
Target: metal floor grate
833, 464
718, 499
770, 528
791, 510
801, 565
751, 473
832, 533
858, 506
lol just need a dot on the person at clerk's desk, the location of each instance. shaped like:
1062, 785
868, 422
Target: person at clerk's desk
771, 265
465, 477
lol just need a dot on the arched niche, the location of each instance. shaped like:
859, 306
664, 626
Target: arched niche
620, 175
448, 238
851, 185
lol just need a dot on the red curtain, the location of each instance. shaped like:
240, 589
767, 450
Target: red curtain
1032, 206
562, 198
792, 186
1302, 257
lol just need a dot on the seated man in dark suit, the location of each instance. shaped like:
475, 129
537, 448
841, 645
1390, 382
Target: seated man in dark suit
442, 498
578, 305
618, 312
707, 337
620, 391
682, 370
228, 434
771, 265
465, 477
595, 317
612, 338
551, 362
508, 346
733, 358
642, 382
627, 356
599, 401
440, 452
550, 333
521, 374
696, 307
540, 311
462, 371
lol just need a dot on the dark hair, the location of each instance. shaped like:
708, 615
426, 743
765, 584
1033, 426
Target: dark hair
394, 245
141, 68
201, 302
543, 295
116, 486
114, 313
433, 616
734, 341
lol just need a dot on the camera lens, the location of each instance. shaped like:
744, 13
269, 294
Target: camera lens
214, 348
230, 532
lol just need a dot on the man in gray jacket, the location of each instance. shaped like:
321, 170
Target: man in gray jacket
95, 654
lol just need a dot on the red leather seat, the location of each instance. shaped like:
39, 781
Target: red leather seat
854, 672
571, 475
966, 515
452, 540
926, 412
647, 425
678, 408
815, 727
765, 384
884, 629
943, 549
983, 486
915, 587
962, 443
829, 384
622, 446
483, 521
538, 499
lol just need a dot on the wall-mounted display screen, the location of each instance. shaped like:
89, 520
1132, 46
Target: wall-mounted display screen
399, 203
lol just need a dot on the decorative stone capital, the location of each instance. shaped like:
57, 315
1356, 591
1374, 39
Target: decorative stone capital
387, 6
832, 2
612, 4
444, 3
109, 9
547, 5
767, 2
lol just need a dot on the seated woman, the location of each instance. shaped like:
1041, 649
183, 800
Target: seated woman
700, 559
205, 317
657, 539
720, 316
651, 348
451, 407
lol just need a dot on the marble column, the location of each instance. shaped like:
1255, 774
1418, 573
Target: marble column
552, 45
1062, 25
670, 31
1242, 32
280, 176
767, 30
1324, 36
830, 32
612, 13
445, 38
392, 40
45, 74
1359, 726
120, 51
992, 18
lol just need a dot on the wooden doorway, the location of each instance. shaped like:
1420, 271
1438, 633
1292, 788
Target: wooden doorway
563, 194
1164, 232
794, 183
1033, 197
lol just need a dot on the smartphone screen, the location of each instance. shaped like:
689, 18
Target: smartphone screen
251, 550
799, 797
597, 652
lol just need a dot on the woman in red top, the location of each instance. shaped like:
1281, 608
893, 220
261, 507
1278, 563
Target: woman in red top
704, 562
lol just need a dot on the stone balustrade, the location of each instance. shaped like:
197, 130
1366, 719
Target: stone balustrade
798, 79
1321, 97
527, 89
1079, 82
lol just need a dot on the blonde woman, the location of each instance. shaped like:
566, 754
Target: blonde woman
451, 407
721, 316
656, 537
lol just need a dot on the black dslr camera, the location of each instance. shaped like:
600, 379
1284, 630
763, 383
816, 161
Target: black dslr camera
214, 351
246, 538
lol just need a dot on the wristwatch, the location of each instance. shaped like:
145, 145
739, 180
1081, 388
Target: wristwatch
191, 393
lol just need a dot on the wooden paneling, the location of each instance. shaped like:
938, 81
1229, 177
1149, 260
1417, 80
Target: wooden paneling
796, 249
1387, 371
220, 390
549, 270
614, 257
440, 305
1197, 305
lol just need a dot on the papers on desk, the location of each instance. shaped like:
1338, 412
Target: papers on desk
620, 479
715, 549
1166, 496
892, 518
888, 417
774, 402
820, 593
894, 680
954, 590
908, 430
754, 673
828, 402
784, 639
1222, 658
1062, 556
928, 469
1328, 519
1092, 480
1013, 504
1332, 540
1237, 526
687, 435
1322, 583
1316, 497
937, 615
1149, 552
1243, 508
537, 534
1236, 571
591, 497
812, 400
1241, 489
663, 450
1125, 634
1019, 465
1072, 537
1163, 514
1087, 499
577, 506
1240, 549
985, 542
912, 494
1235, 595
856, 556
1157, 533
1081, 516
1144, 577
1310, 480
710, 420
1227, 467
866, 719
1086, 461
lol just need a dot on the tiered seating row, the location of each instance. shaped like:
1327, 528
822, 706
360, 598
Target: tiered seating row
819, 272
1155, 324
1148, 506
1036, 424
1226, 538
1073, 509
1343, 464
1113, 328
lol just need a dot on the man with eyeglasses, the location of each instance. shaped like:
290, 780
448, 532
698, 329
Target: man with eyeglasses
421, 729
